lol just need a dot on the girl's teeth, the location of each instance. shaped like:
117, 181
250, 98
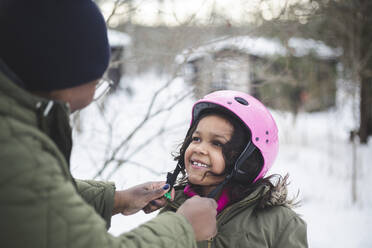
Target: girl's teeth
199, 164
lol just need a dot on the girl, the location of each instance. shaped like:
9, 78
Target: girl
231, 144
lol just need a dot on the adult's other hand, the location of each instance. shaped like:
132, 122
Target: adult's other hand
201, 213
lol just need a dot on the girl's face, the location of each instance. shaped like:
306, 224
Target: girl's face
204, 154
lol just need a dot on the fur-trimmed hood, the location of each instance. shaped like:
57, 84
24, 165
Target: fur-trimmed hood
274, 194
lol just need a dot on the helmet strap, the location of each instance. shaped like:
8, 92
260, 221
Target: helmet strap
219, 187
172, 177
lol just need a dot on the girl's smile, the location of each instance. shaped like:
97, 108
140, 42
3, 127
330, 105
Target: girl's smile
203, 157
198, 165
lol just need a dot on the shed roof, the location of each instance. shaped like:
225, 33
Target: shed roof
262, 47
302, 47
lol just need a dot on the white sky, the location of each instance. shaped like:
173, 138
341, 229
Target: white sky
175, 12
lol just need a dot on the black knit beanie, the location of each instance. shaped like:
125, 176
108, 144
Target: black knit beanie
53, 44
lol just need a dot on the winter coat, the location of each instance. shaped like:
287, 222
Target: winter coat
41, 205
242, 224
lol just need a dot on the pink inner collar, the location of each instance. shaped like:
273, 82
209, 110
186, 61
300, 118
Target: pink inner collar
221, 202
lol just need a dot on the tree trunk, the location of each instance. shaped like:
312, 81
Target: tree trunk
366, 75
354, 177
365, 129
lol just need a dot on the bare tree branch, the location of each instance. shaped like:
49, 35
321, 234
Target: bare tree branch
148, 116
120, 162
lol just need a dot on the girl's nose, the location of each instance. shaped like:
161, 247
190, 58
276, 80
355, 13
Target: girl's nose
201, 148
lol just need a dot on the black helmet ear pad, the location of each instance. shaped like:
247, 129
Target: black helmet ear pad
248, 165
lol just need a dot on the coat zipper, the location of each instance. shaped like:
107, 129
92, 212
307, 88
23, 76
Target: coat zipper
224, 214
227, 210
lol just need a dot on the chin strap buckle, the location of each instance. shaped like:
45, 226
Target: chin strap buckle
171, 180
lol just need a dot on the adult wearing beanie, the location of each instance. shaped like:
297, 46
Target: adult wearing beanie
52, 55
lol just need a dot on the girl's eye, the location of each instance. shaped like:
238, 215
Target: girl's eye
217, 143
196, 139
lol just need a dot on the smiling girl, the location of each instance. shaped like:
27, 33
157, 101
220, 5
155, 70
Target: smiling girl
231, 143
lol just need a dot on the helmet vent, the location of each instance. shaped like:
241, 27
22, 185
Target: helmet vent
257, 139
241, 100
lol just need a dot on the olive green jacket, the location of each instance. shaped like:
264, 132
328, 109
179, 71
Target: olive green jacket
243, 225
41, 205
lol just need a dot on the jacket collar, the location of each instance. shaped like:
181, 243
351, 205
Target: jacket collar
252, 198
222, 201
50, 117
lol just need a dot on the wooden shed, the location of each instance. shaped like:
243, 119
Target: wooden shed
298, 74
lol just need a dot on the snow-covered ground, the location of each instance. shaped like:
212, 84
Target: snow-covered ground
314, 150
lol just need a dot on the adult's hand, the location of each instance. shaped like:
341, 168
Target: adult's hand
147, 196
201, 213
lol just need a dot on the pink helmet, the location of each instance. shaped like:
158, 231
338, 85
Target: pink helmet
255, 116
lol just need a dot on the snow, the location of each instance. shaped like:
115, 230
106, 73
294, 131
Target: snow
303, 47
117, 38
262, 47
314, 150
258, 46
